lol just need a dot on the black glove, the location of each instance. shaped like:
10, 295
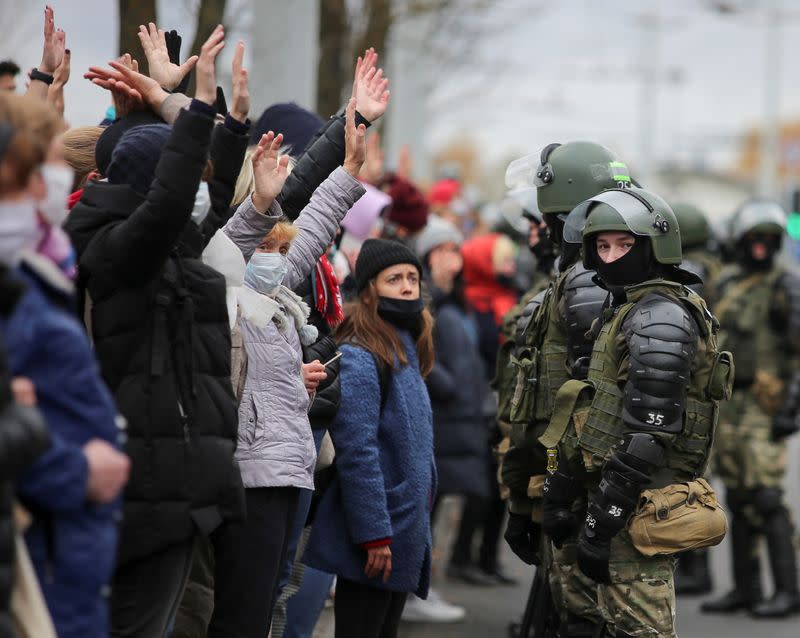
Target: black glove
524, 537
783, 425
559, 521
593, 554
222, 105
603, 522
174, 41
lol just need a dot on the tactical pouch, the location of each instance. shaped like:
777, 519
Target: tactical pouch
523, 403
676, 518
720, 380
769, 392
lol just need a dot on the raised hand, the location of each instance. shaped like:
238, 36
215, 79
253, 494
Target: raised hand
162, 69
55, 92
240, 107
355, 140
373, 168
370, 87
269, 171
206, 72
130, 88
54, 43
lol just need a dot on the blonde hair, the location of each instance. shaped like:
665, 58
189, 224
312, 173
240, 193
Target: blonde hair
35, 124
282, 232
246, 181
79, 145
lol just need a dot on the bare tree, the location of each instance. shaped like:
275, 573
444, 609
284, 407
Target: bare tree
344, 34
132, 13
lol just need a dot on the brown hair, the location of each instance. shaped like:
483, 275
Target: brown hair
365, 327
35, 125
79, 145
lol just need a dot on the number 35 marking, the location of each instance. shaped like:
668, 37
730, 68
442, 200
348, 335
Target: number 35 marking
655, 418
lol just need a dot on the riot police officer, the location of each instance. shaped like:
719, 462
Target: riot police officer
759, 312
644, 418
550, 347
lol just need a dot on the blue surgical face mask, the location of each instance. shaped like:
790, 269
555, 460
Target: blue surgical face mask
202, 204
265, 272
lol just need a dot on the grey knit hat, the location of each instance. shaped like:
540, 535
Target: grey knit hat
438, 231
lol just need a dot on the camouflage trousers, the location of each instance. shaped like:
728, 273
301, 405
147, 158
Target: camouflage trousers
640, 600
745, 457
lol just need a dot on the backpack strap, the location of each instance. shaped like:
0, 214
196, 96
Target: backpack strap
384, 378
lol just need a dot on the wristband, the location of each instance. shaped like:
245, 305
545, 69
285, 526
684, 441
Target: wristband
36, 74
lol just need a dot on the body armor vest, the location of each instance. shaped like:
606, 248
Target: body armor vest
540, 360
687, 451
744, 308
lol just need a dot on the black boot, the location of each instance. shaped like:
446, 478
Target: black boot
692, 575
785, 601
746, 574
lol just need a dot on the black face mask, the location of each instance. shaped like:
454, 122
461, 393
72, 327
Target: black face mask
405, 314
633, 267
772, 244
545, 249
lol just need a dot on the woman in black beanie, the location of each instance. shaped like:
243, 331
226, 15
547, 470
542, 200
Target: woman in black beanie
379, 507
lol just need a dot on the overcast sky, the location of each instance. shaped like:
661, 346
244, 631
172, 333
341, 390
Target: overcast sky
541, 71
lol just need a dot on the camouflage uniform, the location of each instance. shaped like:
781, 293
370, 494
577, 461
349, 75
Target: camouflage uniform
634, 422
550, 345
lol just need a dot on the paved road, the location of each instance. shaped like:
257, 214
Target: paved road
489, 610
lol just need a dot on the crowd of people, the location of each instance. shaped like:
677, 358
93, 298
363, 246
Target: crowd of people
243, 363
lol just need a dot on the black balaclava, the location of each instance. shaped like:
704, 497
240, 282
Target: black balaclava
405, 314
633, 267
745, 250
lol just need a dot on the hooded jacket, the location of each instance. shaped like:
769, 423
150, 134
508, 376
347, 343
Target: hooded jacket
160, 326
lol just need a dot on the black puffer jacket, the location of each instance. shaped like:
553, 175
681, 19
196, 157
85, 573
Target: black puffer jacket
324, 153
161, 332
326, 401
23, 437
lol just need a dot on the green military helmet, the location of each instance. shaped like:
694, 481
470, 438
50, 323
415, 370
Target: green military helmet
566, 174
630, 210
693, 222
759, 215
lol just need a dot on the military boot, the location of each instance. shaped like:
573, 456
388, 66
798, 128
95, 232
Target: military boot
746, 574
692, 575
778, 531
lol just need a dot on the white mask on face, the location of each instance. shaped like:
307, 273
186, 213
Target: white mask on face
202, 204
19, 228
265, 272
58, 180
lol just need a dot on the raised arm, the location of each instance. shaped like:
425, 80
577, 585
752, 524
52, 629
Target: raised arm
327, 150
52, 56
319, 222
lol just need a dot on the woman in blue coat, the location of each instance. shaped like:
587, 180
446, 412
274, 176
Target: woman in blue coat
373, 523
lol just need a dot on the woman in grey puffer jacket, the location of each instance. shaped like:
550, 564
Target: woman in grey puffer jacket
275, 449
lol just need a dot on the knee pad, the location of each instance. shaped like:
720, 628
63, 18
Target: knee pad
767, 500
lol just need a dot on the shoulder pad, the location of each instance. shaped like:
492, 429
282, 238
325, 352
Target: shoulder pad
581, 303
662, 339
528, 313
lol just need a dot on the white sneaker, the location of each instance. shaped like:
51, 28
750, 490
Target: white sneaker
434, 609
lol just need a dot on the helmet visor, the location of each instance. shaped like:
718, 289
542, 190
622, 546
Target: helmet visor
575, 222
765, 214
